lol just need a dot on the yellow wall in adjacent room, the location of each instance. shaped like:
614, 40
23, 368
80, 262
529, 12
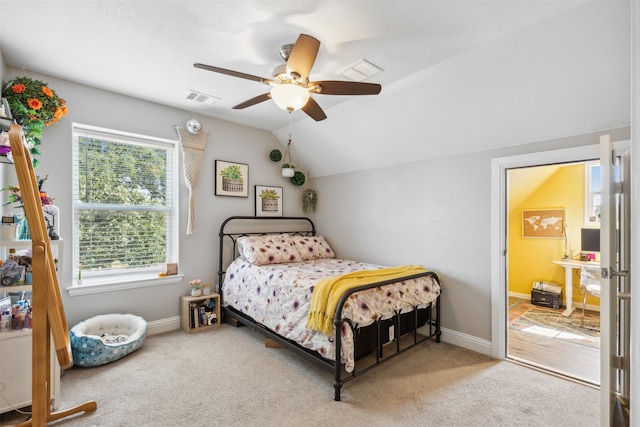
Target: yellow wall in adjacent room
530, 259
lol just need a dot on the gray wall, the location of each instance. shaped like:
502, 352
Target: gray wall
434, 213
198, 252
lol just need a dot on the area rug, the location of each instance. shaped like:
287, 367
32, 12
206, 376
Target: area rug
551, 323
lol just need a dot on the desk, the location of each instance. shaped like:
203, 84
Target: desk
568, 265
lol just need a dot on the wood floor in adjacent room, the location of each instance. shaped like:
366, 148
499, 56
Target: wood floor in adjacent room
540, 346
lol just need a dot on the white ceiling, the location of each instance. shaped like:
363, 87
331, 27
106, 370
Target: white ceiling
458, 76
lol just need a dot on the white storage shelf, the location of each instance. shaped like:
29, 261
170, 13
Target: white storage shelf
15, 346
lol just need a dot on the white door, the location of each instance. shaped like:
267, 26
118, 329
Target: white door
614, 273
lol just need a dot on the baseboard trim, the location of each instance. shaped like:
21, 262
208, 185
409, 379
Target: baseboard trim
576, 304
163, 325
448, 335
469, 342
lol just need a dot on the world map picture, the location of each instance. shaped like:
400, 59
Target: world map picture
543, 223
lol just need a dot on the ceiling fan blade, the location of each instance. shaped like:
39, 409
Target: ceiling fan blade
336, 87
253, 101
303, 55
313, 110
231, 73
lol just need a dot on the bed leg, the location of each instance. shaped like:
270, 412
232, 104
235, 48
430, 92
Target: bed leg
438, 332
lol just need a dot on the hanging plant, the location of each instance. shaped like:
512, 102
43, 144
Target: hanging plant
33, 105
309, 199
288, 170
298, 178
275, 155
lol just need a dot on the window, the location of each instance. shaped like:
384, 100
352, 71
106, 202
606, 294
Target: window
124, 205
592, 198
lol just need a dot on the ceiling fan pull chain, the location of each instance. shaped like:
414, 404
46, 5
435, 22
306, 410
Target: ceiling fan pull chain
287, 154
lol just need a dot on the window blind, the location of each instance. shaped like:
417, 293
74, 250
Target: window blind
124, 202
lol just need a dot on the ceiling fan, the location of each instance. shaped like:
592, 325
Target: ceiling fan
290, 86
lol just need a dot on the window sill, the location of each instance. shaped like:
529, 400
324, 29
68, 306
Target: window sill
97, 286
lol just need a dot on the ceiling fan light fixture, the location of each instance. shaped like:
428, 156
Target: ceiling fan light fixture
289, 97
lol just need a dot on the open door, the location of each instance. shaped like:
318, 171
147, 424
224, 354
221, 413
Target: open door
615, 280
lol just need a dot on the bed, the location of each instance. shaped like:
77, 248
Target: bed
273, 272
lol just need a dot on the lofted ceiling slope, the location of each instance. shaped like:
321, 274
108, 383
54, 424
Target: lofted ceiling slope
457, 77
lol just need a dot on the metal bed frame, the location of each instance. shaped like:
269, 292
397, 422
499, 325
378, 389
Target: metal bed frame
398, 328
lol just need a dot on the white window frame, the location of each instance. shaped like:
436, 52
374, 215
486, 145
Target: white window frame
589, 194
132, 279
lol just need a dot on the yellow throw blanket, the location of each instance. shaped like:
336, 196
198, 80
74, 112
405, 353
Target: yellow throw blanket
327, 293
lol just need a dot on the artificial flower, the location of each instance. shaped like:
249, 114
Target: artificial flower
195, 284
34, 99
15, 196
34, 105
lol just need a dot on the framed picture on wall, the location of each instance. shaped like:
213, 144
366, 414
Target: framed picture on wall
543, 223
268, 201
231, 179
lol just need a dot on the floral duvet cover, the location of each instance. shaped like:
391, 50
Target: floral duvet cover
278, 296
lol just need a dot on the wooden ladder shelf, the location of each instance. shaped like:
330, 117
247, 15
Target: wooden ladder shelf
49, 318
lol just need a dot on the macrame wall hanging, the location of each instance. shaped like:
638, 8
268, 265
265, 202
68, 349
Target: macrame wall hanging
192, 142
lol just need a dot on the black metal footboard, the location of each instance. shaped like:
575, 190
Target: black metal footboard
383, 340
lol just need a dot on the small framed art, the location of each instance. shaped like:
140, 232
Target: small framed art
232, 179
543, 223
268, 201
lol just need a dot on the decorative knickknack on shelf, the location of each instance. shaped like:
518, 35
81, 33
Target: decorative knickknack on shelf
51, 212
52, 219
23, 229
196, 289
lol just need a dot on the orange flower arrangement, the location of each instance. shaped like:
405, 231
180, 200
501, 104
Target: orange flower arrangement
35, 100
34, 105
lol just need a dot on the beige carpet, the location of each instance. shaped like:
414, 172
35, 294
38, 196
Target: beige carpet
227, 377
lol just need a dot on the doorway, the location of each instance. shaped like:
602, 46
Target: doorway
547, 208
615, 358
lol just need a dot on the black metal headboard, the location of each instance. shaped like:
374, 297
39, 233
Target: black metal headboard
237, 226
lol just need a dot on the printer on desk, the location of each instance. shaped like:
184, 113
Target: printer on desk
546, 294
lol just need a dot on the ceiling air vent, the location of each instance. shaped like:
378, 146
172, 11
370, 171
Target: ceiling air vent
361, 70
202, 98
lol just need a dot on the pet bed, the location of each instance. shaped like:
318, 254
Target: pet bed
106, 338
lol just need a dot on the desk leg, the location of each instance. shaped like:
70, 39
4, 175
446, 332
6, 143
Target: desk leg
568, 291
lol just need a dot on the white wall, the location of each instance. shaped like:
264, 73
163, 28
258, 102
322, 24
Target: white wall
567, 75
198, 252
2, 71
434, 213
